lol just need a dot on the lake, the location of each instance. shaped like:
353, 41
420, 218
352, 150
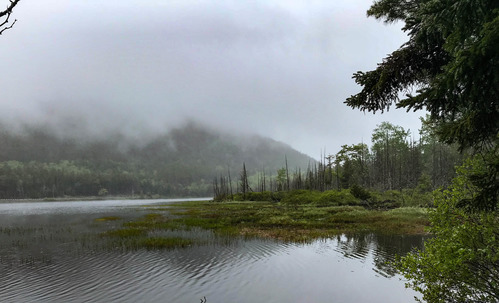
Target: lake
51, 252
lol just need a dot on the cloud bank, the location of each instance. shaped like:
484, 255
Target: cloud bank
281, 69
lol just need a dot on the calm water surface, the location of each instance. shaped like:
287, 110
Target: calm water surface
49, 253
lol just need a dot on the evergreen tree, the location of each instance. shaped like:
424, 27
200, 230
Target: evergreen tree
452, 61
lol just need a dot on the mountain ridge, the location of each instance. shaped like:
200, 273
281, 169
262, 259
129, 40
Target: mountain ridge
180, 162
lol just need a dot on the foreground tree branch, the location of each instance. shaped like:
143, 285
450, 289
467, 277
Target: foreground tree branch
4, 25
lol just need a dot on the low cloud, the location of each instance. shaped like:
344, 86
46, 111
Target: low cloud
276, 68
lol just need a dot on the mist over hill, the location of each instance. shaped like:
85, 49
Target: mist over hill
37, 162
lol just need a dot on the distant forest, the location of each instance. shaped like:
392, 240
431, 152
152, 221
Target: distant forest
194, 161
36, 163
395, 161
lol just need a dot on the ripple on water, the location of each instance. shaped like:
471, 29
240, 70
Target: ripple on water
237, 270
248, 271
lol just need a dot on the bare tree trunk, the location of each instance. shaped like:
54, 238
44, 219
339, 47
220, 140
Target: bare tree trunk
287, 172
230, 184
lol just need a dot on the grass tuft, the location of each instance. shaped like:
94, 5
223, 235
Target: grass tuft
164, 243
108, 218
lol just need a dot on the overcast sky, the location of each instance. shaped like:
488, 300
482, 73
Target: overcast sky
278, 68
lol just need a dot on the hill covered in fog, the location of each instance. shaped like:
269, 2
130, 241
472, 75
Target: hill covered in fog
36, 162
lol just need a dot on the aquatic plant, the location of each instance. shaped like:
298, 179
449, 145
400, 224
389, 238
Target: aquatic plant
108, 218
162, 243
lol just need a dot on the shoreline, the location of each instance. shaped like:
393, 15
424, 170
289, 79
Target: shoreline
94, 198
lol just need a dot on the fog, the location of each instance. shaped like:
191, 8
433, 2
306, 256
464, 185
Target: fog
277, 68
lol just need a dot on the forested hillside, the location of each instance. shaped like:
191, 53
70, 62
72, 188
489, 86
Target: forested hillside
36, 163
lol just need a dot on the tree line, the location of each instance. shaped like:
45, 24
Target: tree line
35, 163
395, 161
19, 180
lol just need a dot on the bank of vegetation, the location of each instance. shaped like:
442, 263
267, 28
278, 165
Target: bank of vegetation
297, 222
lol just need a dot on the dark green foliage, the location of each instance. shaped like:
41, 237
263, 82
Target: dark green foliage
262, 196
486, 181
451, 56
359, 192
452, 59
300, 196
337, 198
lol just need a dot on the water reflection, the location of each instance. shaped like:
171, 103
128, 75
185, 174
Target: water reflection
383, 248
47, 258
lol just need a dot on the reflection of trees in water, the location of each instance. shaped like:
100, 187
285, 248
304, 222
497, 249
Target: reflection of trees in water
384, 248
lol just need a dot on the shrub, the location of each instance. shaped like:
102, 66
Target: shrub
259, 196
335, 198
391, 195
460, 262
301, 196
416, 198
359, 192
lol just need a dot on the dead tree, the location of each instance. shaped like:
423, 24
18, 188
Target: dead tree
244, 181
287, 173
230, 184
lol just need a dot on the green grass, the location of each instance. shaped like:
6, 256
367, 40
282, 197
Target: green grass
355, 196
296, 222
137, 234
